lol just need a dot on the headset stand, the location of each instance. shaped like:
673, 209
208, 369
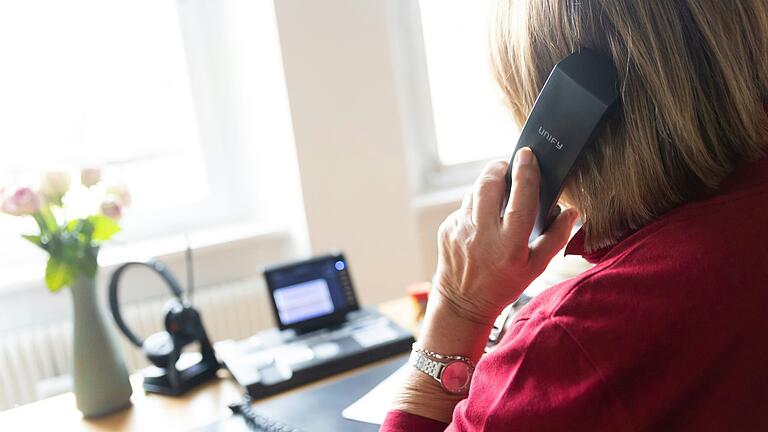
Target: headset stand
172, 381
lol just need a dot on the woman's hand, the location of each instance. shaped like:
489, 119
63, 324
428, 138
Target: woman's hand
485, 262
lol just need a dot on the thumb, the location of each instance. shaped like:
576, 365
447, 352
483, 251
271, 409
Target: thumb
544, 248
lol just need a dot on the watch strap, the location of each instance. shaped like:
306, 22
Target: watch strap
425, 364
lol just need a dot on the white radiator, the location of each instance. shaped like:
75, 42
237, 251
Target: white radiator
35, 362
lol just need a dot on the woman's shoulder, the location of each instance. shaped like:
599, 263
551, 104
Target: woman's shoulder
700, 255
695, 276
698, 275
675, 304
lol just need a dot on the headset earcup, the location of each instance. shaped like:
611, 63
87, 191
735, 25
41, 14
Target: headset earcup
158, 348
182, 321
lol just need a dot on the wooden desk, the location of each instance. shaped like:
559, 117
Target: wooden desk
152, 412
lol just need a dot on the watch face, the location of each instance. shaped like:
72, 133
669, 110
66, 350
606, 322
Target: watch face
455, 377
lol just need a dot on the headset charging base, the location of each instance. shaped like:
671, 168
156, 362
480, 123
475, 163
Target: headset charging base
174, 382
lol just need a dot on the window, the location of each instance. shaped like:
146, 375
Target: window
91, 82
470, 120
156, 91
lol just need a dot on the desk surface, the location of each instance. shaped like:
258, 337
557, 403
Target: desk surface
199, 407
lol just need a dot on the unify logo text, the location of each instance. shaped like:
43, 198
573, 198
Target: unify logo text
550, 138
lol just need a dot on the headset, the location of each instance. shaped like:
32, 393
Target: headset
183, 326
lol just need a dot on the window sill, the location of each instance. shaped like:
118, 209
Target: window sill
217, 240
448, 177
440, 197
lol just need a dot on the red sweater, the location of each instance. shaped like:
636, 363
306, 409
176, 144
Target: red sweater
669, 331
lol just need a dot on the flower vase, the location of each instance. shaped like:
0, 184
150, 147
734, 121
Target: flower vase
101, 382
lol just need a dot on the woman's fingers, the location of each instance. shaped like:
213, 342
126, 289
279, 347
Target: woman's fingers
520, 214
488, 193
548, 244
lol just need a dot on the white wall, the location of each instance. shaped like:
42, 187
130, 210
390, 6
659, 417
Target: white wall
350, 142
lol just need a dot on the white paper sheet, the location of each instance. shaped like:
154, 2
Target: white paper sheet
373, 407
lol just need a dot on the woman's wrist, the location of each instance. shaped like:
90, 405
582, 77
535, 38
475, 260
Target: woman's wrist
447, 331
422, 395
470, 310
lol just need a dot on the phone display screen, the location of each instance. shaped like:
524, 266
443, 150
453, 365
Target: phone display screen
312, 293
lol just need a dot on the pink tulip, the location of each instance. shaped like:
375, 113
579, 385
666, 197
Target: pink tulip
112, 209
23, 202
90, 176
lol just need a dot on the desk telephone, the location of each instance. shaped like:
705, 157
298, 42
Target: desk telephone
321, 330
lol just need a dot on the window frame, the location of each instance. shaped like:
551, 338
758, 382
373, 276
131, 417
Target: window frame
429, 174
227, 158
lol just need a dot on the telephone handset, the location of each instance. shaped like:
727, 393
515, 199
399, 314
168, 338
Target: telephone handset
579, 95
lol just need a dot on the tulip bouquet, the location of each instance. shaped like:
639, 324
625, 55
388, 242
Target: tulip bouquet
72, 220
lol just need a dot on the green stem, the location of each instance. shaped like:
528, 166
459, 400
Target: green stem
41, 223
49, 219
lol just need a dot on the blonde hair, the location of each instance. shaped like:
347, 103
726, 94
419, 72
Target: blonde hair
693, 77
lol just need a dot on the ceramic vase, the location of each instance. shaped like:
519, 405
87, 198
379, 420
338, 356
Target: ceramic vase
101, 382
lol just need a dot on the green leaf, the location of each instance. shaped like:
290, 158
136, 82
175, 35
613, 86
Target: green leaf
74, 225
34, 239
58, 274
77, 226
104, 227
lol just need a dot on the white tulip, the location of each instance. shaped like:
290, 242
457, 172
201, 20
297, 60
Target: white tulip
119, 191
90, 176
54, 185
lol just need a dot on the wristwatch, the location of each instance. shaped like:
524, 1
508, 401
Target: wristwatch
453, 372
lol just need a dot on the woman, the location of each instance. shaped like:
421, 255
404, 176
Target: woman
668, 331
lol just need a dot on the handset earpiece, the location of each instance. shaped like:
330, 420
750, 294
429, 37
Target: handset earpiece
578, 97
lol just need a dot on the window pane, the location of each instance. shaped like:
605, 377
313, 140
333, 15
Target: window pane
471, 123
93, 82
97, 83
